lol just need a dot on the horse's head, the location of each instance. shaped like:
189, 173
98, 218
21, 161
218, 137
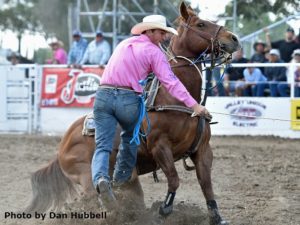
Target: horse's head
196, 35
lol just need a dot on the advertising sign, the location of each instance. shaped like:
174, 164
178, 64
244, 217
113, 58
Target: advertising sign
65, 87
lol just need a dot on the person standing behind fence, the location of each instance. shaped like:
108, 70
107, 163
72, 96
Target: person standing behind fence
286, 46
97, 52
293, 72
275, 75
77, 50
59, 55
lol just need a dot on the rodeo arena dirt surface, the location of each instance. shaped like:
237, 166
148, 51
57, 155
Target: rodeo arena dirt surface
256, 181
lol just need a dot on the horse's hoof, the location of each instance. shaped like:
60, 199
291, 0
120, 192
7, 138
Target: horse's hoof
165, 210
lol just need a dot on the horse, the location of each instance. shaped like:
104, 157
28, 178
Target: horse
173, 130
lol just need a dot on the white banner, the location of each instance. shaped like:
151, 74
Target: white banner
251, 116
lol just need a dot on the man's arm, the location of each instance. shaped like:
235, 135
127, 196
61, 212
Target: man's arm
85, 56
268, 38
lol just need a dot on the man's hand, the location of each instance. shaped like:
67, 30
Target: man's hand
199, 110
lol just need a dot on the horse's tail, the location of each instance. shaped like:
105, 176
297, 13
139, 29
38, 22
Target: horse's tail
50, 188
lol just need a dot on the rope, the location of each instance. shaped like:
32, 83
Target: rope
255, 117
143, 113
200, 57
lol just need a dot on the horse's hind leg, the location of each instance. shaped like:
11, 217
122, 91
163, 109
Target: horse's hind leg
164, 158
203, 162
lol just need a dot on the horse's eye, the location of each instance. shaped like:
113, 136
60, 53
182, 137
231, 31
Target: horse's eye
200, 25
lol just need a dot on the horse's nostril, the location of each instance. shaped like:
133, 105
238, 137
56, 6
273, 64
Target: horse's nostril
234, 38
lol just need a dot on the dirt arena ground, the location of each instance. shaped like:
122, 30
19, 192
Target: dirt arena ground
256, 181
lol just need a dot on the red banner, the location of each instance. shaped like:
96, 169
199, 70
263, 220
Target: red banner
65, 87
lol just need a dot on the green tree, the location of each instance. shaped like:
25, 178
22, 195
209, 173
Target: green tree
255, 14
18, 17
54, 17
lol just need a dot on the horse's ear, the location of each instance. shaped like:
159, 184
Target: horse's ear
183, 11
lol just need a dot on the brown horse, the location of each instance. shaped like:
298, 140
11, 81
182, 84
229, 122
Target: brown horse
172, 132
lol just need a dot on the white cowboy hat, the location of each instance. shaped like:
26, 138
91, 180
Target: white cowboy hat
152, 22
52, 40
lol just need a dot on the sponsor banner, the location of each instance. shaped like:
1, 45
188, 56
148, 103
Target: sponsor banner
65, 87
295, 114
251, 116
245, 112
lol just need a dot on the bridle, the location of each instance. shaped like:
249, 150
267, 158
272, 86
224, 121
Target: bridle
216, 52
215, 44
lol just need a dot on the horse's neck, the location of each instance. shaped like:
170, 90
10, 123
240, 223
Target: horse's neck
188, 75
190, 78
179, 47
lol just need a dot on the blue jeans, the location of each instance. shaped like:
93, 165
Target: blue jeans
262, 86
283, 89
114, 106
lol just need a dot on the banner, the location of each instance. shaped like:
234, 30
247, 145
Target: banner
295, 114
65, 87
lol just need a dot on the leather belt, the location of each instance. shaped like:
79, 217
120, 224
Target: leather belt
108, 86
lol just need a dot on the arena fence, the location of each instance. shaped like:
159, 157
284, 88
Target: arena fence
19, 111
48, 99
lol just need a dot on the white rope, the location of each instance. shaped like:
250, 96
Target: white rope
255, 117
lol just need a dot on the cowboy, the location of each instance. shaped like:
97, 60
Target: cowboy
117, 100
259, 55
59, 55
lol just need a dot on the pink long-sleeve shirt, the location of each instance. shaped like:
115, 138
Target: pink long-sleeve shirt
136, 57
60, 56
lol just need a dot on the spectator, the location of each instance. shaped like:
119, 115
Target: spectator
259, 55
77, 50
292, 73
234, 75
15, 58
252, 76
274, 74
97, 52
59, 55
286, 46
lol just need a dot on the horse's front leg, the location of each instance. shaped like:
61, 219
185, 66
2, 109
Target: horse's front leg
164, 158
203, 162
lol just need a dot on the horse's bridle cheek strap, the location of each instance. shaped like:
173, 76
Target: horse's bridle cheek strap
203, 34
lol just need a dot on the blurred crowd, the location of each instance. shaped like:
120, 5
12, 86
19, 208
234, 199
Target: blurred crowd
262, 81
233, 81
82, 52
